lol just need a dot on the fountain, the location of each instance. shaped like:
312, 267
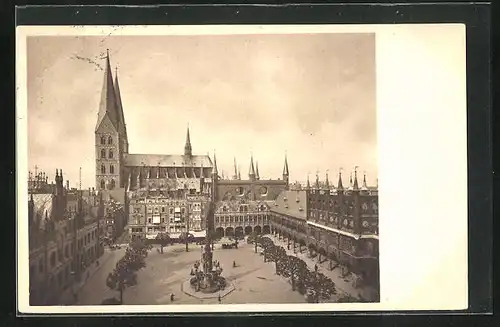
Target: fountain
207, 282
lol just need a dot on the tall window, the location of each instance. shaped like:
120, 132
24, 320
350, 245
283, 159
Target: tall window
111, 169
110, 140
103, 140
112, 184
103, 153
103, 169
110, 154
103, 184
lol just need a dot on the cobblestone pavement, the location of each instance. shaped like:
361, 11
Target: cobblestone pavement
344, 285
254, 280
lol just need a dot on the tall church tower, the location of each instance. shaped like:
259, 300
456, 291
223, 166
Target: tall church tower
110, 135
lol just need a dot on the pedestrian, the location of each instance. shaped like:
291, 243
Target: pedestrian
172, 297
219, 299
234, 264
315, 267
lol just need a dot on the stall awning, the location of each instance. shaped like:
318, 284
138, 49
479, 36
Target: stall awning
151, 236
175, 235
199, 234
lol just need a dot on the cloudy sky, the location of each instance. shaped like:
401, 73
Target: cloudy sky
312, 96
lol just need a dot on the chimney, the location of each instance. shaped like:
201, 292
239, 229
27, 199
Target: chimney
67, 185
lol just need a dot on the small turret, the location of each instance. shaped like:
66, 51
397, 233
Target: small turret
340, 186
235, 176
355, 186
364, 186
251, 170
215, 172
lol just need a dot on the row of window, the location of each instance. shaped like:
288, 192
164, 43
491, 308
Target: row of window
239, 219
111, 169
244, 208
109, 156
323, 205
109, 140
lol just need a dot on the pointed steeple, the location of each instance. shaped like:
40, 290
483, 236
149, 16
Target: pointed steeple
239, 173
350, 187
107, 105
257, 177
285, 167
327, 183
121, 116
355, 183
187, 147
308, 185
251, 171
316, 185
235, 169
364, 186
340, 186
215, 172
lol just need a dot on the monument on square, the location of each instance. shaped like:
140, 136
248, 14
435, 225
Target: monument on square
208, 281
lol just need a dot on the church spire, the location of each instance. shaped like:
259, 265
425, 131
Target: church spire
107, 105
317, 181
257, 177
119, 107
327, 183
308, 186
187, 147
251, 172
285, 167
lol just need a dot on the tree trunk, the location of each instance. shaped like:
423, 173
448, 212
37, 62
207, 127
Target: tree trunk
161, 248
187, 247
255, 241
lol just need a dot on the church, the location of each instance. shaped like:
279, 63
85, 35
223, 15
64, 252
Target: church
166, 192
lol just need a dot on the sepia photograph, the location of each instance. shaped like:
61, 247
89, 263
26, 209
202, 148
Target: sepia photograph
180, 169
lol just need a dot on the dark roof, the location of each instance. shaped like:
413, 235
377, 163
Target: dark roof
162, 160
247, 181
290, 202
